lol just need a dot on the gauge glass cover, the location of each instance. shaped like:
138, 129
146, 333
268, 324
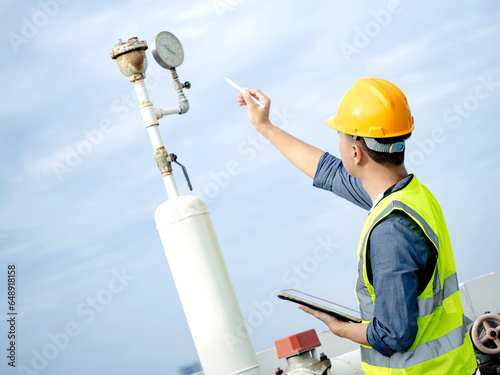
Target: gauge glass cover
167, 50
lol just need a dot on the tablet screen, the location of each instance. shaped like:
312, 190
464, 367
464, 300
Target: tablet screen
340, 312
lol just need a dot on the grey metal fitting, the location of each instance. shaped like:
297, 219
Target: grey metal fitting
163, 161
306, 363
184, 104
183, 101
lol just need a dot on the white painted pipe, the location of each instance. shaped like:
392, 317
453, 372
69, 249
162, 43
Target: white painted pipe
159, 112
170, 185
154, 135
148, 113
145, 105
150, 120
204, 287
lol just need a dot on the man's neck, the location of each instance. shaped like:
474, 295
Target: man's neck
378, 179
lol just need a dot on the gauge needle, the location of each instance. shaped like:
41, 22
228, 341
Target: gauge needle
164, 45
241, 90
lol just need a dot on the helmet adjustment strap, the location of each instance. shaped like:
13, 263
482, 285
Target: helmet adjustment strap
390, 148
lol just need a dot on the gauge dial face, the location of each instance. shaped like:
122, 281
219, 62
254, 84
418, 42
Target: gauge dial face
167, 50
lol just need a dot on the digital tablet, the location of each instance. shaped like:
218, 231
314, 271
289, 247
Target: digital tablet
340, 312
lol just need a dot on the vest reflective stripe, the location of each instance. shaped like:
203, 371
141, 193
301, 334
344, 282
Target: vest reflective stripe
427, 306
423, 352
442, 342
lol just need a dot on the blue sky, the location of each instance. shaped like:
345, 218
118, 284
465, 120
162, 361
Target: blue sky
78, 221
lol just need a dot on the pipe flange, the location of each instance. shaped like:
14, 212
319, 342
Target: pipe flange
130, 45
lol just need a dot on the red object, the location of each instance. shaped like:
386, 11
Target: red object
297, 343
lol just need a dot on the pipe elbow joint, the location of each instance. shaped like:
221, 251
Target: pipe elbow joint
184, 105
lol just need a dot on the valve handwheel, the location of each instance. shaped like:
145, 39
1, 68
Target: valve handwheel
486, 333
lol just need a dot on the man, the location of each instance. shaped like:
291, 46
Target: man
407, 286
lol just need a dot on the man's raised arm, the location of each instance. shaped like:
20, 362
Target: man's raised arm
303, 155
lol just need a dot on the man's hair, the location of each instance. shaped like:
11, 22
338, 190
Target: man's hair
386, 159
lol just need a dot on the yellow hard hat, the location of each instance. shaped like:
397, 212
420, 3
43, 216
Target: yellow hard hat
373, 108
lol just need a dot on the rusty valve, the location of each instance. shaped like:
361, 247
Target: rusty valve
131, 58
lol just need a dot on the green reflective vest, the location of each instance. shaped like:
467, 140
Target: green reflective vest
443, 344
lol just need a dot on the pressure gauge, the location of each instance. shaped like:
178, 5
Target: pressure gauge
167, 50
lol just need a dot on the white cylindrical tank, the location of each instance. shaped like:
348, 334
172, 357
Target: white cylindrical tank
204, 287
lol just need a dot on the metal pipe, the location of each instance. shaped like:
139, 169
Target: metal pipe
159, 112
154, 135
170, 185
151, 123
183, 102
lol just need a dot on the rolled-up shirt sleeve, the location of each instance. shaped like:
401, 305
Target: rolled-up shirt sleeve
398, 255
331, 175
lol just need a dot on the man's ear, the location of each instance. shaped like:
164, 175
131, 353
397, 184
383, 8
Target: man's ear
358, 154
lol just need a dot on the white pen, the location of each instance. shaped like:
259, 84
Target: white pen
241, 90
